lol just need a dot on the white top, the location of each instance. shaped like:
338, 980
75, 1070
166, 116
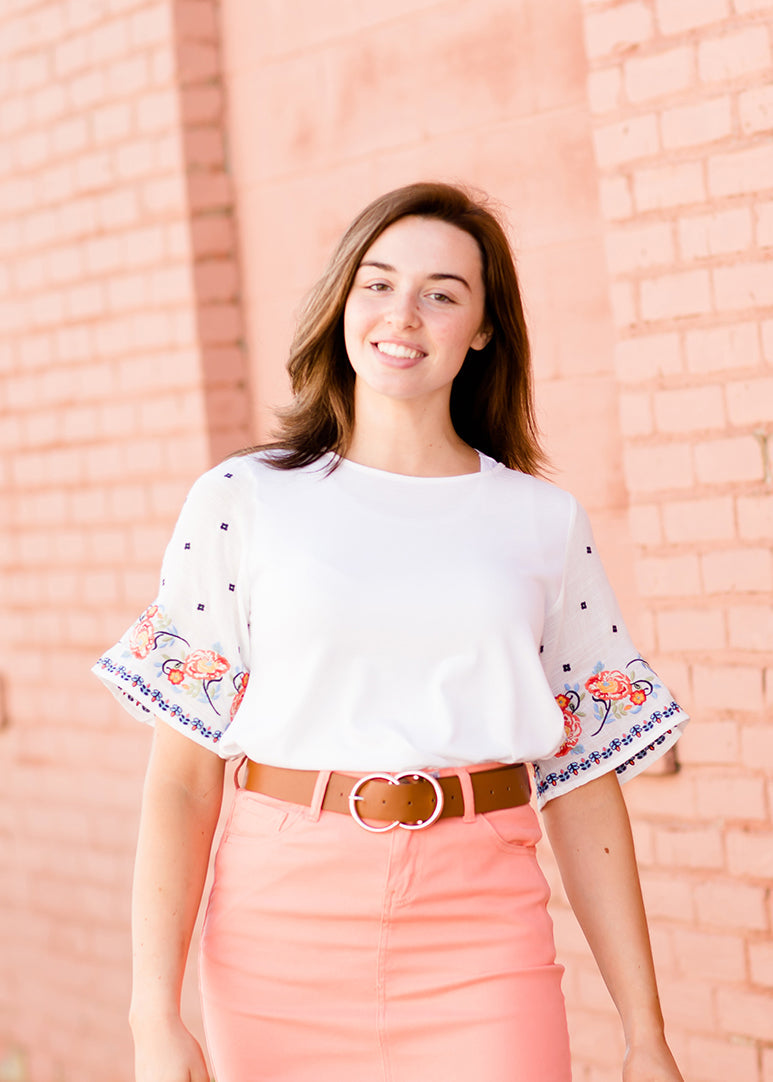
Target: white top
361, 620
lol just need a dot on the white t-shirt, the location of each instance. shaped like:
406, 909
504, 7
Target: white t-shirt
361, 620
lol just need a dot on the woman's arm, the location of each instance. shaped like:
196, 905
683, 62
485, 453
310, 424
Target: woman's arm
590, 834
180, 808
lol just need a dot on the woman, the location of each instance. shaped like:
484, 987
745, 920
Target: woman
391, 591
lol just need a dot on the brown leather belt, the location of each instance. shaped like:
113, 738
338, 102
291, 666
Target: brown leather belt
413, 799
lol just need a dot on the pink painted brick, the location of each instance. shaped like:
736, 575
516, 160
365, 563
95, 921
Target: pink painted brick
622, 300
717, 349
745, 285
636, 413
731, 798
112, 122
670, 185
676, 16
715, 234
744, 1013
87, 90
668, 576
644, 524
604, 90
692, 409
107, 41
750, 401
712, 956
617, 28
756, 109
153, 25
157, 111
626, 140
741, 172
767, 340
71, 55
699, 520
660, 467
727, 687
691, 629
125, 78
765, 225
197, 62
746, 7
615, 197
716, 1059
70, 135
690, 125
135, 158
204, 104
750, 627
661, 74
691, 847
761, 963
755, 517
736, 458
203, 147
729, 904
711, 743
734, 55
738, 570
750, 854
640, 246
671, 296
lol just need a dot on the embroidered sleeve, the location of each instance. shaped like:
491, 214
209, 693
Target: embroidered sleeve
186, 658
617, 713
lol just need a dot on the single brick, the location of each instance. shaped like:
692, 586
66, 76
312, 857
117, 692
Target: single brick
731, 798
107, 41
690, 847
750, 401
767, 340
755, 517
745, 285
204, 104
764, 213
671, 296
742, 171
756, 109
604, 90
127, 78
750, 854
738, 570
153, 25
644, 524
691, 629
671, 185
636, 247
734, 55
665, 895
157, 111
676, 16
717, 349
699, 520
659, 468
744, 1013
736, 458
668, 576
617, 28
659, 75
727, 687
728, 904
761, 963
690, 409
622, 299
626, 140
710, 743
715, 234
636, 413
690, 125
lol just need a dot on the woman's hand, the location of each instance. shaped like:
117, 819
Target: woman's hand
167, 1052
650, 1061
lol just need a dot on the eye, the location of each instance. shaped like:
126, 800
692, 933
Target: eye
442, 298
377, 287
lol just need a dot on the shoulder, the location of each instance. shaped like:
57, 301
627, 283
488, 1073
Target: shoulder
545, 500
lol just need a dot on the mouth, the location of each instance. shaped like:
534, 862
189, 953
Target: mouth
396, 351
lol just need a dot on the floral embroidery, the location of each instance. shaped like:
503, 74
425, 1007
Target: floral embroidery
569, 704
241, 680
141, 636
616, 693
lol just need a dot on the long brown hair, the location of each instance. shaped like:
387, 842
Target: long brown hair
491, 398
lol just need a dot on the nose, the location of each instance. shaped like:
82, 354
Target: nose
403, 310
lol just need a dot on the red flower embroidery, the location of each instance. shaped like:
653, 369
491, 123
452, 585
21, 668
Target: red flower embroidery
572, 726
240, 694
638, 696
142, 635
175, 676
609, 684
205, 665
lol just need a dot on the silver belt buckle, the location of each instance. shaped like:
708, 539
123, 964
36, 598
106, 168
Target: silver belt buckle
395, 779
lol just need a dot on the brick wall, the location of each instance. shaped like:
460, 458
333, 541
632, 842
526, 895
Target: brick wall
682, 103
120, 370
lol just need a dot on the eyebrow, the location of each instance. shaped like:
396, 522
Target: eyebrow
432, 277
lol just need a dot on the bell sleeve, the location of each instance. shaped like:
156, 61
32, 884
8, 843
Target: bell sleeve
186, 658
618, 715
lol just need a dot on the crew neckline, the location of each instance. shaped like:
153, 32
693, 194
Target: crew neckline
487, 464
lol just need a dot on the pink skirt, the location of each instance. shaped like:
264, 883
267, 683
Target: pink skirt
333, 955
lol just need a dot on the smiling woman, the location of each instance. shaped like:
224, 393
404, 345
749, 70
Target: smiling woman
387, 614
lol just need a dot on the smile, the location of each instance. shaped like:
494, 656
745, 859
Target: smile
393, 349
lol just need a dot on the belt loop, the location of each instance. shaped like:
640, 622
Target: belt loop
320, 788
238, 783
468, 796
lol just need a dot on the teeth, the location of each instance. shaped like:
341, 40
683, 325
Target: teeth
392, 349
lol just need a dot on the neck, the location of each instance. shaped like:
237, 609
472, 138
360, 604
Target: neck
409, 438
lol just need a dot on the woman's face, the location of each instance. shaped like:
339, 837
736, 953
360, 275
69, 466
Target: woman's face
417, 305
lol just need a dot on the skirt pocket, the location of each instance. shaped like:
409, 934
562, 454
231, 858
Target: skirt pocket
513, 829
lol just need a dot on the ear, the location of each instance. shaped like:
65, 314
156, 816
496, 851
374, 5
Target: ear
482, 338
